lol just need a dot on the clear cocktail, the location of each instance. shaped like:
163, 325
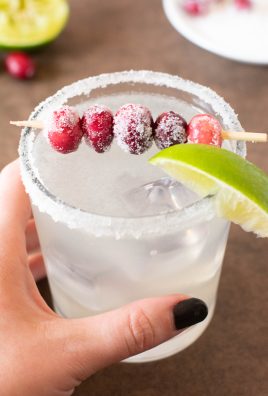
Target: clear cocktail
112, 227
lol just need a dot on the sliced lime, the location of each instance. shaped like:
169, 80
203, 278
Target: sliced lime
27, 24
240, 188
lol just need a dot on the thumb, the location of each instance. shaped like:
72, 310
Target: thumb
101, 340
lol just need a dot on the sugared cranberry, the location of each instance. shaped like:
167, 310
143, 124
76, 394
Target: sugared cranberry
133, 128
243, 4
169, 129
97, 126
63, 130
20, 65
204, 129
196, 7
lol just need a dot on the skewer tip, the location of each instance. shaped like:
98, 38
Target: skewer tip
29, 123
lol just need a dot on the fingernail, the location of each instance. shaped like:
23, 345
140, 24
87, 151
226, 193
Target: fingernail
189, 312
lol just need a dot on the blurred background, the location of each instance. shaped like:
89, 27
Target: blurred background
105, 36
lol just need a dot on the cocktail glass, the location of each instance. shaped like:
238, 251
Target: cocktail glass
112, 227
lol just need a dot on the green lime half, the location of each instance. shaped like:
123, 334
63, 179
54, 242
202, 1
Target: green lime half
240, 188
27, 24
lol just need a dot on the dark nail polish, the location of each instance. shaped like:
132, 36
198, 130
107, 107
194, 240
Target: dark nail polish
189, 312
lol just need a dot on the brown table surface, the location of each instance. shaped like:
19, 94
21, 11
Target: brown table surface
230, 358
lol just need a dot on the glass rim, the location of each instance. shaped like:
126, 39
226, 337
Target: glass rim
103, 225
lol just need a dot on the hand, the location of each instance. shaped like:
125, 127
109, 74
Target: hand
43, 354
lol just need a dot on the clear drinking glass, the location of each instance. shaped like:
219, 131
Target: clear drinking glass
112, 227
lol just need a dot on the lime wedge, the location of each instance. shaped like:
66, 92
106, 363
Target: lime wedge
27, 24
240, 188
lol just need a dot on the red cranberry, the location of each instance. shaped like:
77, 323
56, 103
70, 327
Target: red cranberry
169, 129
133, 128
20, 65
243, 4
204, 129
63, 130
195, 7
97, 126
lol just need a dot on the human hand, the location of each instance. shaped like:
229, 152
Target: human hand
43, 354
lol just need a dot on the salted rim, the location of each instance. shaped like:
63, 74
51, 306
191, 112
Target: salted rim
118, 227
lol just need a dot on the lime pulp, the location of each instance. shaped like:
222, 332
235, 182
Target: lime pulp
27, 24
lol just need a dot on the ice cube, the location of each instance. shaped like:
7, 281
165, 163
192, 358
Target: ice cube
158, 197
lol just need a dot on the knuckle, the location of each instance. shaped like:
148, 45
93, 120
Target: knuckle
140, 335
7, 170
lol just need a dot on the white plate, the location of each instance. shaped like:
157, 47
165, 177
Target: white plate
241, 35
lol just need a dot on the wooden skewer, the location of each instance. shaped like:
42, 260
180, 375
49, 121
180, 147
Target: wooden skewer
31, 124
246, 136
226, 135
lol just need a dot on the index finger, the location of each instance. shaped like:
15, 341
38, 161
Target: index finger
15, 207
15, 211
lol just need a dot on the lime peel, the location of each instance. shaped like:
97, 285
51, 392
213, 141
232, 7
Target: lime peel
240, 188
